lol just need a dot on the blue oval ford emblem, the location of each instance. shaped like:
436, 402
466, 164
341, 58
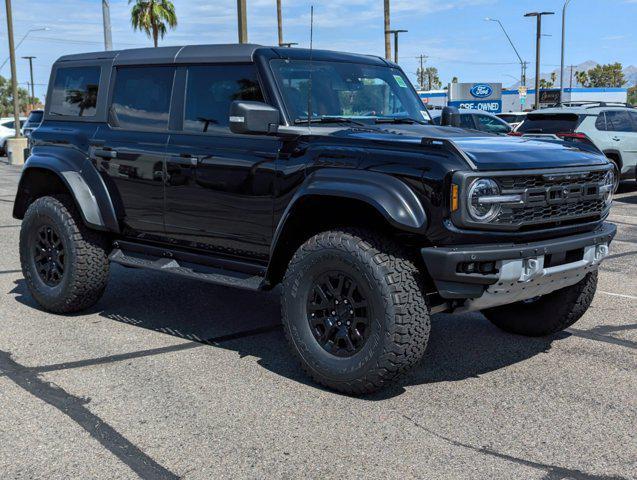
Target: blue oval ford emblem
481, 90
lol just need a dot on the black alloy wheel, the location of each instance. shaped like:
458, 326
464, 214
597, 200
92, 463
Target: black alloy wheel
48, 255
339, 314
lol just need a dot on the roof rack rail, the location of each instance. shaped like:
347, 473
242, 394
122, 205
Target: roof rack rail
595, 104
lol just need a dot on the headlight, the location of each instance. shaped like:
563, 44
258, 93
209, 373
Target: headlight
479, 205
607, 187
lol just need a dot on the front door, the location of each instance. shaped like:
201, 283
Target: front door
131, 149
220, 185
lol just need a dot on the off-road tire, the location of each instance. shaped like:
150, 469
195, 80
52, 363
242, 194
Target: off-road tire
400, 325
548, 314
86, 265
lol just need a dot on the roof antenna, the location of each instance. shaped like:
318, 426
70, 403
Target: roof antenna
309, 87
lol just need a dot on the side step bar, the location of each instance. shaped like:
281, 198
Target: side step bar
205, 273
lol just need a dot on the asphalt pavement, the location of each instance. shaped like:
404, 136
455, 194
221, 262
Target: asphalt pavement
170, 378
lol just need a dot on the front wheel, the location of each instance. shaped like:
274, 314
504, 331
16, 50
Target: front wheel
354, 311
65, 264
548, 314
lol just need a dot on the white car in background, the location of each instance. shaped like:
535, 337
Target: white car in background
7, 130
610, 127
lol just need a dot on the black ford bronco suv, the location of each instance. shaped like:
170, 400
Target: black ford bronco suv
253, 166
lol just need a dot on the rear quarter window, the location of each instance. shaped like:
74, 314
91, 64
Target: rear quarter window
75, 91
549, 123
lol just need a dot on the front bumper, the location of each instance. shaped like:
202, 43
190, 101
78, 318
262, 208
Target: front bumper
521, 271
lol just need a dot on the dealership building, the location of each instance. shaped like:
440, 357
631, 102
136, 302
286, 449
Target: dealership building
493, 98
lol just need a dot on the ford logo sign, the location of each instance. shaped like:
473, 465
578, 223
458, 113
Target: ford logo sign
481, 90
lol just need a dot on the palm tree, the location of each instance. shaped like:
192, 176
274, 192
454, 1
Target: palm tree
153, 17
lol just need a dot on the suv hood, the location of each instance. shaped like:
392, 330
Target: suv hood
486, 151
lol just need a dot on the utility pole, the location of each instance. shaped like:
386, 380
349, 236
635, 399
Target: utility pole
279, 19
396, 32
421, 77
30, 59
538, 16
106, 20
14, 76
242, 18
387, 32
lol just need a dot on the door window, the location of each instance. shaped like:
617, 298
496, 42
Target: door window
211, 89
618, 121
466, 121
141, 97
600, 123
492, 124
75, 91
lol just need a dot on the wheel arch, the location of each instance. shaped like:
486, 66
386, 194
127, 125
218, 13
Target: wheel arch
336, 198
51, 175
616, 156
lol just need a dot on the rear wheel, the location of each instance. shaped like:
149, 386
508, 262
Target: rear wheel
353, 310
65, 264
548, 314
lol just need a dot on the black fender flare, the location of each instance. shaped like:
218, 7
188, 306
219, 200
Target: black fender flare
390, 196
84, 183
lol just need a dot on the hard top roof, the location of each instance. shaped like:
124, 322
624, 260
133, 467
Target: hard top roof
228, 53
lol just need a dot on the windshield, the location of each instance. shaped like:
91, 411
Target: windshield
346, 91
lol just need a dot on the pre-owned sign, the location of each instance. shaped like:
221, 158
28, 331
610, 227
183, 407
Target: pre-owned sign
476, 96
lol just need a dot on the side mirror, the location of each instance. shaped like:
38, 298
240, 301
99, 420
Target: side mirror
450, 117
253, 118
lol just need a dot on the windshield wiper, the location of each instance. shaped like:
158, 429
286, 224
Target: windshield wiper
327, 120
399, 120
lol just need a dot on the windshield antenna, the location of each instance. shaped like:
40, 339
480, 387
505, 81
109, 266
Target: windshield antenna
309, 87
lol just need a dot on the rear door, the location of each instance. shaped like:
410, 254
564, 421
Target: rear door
131, 149
219, 185
621, 128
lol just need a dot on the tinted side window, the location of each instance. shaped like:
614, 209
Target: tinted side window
549, 123
618, 121
491, 124
75, 91
211, 89
633, 117
466, 121
141, 97
600, 123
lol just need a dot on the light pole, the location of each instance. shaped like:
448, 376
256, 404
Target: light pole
396, 32
279, 20
23, 39
522, 62
30, 59
387, 31
563, 39
538, 16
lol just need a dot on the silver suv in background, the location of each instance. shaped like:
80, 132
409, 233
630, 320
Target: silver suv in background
611, 128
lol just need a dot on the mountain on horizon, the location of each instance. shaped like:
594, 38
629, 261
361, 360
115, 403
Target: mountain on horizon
630, 74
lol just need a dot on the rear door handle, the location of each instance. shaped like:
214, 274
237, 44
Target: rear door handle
193, 159
617, 139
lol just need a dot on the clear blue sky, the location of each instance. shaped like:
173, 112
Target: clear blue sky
451, 32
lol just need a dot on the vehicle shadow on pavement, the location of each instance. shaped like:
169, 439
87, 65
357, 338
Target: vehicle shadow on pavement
627, 187
460, 346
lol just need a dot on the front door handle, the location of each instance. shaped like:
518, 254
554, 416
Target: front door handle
192, 159
105, 153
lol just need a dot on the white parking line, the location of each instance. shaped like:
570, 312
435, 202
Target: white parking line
618, 295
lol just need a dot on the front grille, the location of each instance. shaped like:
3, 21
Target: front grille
551, 198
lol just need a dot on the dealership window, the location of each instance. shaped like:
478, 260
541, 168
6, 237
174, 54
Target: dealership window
618, 121
75, 91
211, 89
141, 97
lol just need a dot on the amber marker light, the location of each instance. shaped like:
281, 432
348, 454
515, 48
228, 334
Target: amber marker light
454, 197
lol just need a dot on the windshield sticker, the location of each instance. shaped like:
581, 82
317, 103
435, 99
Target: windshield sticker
400, 81
424, 114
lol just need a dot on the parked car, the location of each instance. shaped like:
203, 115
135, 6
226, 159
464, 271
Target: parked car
477, 120
611, 128
33, 121
512, 118
319, 171
7, 130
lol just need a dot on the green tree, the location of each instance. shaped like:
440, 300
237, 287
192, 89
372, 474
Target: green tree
632, 95
153, 17
6, 98
602, 76
428, 78
548, 83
